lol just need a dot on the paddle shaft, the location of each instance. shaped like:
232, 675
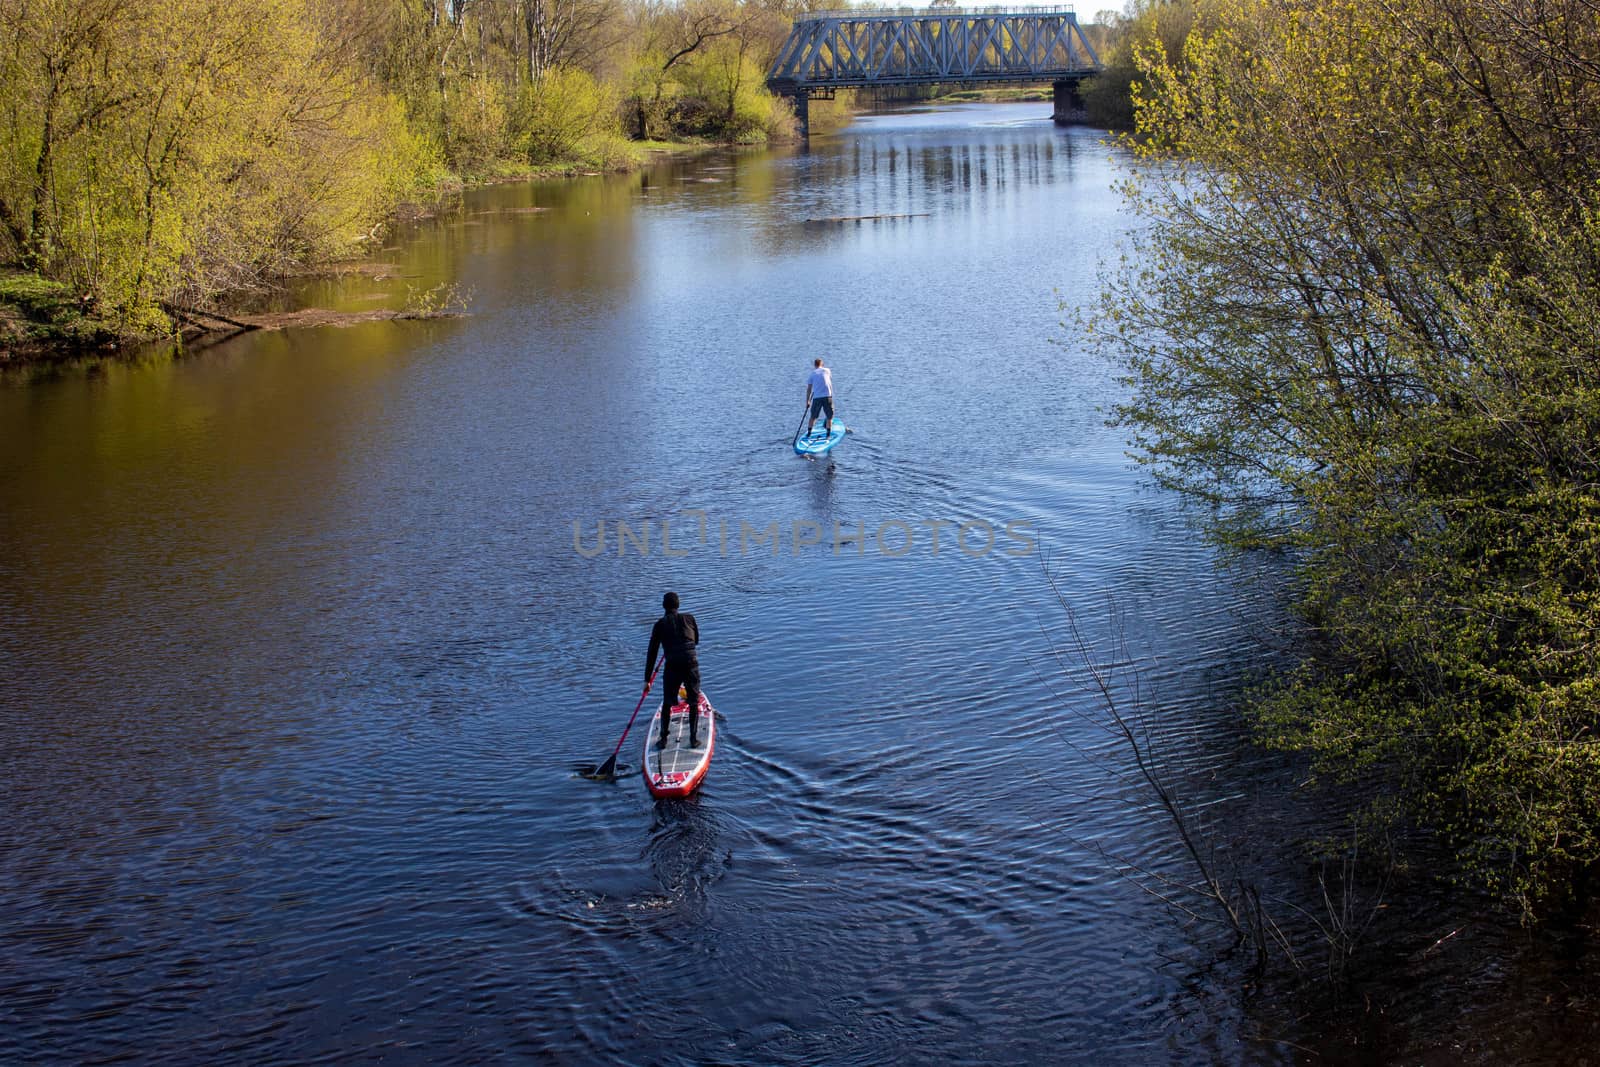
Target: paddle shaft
648, 683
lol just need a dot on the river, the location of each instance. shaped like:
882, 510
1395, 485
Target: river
304, 633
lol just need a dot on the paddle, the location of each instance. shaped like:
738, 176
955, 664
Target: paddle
797, 429
607, 771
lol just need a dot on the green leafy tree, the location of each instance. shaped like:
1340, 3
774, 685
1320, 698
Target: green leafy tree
723, 95
671, 78
163, 153
157, 156
1108, 96
563, 113
1364, 336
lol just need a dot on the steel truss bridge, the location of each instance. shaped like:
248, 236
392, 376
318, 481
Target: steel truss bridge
846, 49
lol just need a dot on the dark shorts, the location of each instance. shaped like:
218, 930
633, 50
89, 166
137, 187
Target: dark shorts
822, 403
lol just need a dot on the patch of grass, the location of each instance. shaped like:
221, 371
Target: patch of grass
605, 155
38, 316
34, 293
668, 146
1007, 95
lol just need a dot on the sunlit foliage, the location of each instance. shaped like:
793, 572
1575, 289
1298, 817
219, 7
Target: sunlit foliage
1366, 334
154, 156
157, 152
565, 115
1118, 40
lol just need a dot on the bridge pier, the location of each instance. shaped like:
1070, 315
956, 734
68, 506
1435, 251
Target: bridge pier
802, 113
1069, 103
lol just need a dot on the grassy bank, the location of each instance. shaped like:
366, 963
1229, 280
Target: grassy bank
1005, 95
619, 156
40, 318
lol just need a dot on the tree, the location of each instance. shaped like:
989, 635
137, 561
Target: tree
723, 80
162, 153
671, 34
50, 76
1165, 24
1364, 337
561, 112
562, 32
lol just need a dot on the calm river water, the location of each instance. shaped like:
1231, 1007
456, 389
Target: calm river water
300, 647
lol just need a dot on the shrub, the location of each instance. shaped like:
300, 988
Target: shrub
562, 114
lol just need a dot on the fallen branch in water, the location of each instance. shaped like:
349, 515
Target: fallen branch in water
204, 320
289, 320
1342, 918
865, 218
444, 300
1237, 905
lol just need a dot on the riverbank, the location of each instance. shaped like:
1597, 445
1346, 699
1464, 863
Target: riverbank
47, 321
619, 157
1006, 95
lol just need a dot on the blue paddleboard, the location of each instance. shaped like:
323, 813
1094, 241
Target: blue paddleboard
817, 443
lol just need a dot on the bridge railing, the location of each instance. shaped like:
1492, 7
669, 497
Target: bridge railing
864, 48
859, 13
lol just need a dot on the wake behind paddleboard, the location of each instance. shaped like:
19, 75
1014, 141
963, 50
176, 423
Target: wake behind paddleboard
676, 769
817, 443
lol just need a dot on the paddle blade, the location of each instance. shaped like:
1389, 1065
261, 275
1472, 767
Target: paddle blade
606, 772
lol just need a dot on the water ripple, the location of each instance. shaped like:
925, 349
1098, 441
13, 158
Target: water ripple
301, 649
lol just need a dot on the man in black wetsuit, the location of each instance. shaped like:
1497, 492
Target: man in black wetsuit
676, 634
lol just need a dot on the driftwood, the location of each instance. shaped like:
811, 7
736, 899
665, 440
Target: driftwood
865, 218
215, 328
205, 320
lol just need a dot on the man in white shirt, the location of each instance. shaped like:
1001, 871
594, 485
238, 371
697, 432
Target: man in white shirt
819, 397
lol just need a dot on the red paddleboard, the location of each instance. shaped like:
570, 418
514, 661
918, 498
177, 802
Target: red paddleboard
675, 769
